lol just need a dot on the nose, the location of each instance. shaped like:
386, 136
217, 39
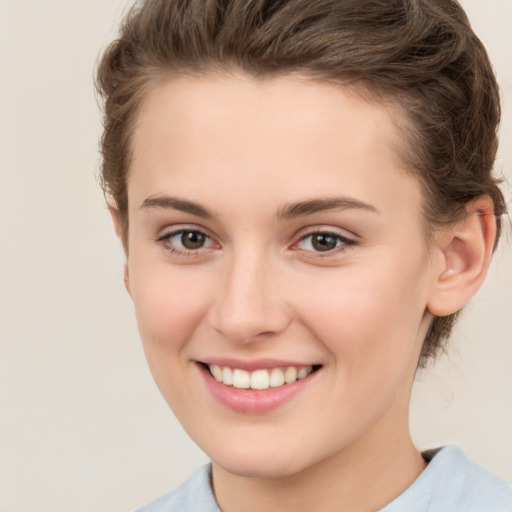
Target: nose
250, 304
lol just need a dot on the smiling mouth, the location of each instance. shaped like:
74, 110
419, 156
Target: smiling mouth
259, 379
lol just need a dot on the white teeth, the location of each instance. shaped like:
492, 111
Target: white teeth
258, 379
227, 375
276, 378
304, 372
241, 379
290, 375
216, 372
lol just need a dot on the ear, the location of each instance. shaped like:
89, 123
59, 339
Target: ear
116, 221
465, 251
126, 278
114, 213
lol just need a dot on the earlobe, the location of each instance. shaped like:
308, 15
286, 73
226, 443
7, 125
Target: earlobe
466, 250
127, 278
116, 220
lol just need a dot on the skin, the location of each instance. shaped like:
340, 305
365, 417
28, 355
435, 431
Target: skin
243, 150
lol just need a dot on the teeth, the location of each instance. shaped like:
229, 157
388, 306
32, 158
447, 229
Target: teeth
227, 375
304, 372
276, 378
216, 372
290, 375
241, 379
258, 379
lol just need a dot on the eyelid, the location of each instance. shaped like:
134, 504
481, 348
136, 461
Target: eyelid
326, 229
164, 237
170, 231
347, 241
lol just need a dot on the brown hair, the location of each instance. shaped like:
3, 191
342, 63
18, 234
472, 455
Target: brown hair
420, 54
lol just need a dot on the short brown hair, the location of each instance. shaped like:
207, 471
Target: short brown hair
420, 54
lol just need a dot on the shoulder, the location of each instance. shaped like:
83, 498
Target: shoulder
192, 495
453, 483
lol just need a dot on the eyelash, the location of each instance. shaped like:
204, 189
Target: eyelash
342, 243
165, 241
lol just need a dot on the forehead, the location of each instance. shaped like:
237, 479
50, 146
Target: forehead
275, 137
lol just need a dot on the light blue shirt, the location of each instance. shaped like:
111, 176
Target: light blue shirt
450, 483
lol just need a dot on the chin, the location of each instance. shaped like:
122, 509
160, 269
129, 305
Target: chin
259, 463
260, 469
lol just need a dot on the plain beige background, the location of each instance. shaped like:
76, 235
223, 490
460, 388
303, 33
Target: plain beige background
82, 426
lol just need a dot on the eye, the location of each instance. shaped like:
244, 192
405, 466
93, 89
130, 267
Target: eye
323, 242
191, 239
185, 241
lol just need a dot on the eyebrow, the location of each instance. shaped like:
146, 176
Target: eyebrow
288, 211
175, 203
303, 208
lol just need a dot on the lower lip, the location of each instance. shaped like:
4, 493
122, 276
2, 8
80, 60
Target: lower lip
254, 401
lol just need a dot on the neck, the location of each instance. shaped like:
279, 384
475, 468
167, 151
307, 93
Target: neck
361, 478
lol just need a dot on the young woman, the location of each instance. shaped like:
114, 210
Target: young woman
304, 193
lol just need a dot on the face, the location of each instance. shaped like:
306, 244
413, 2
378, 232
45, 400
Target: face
278, 268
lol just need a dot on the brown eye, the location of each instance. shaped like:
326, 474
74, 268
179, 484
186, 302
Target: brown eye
324, 242
186, 242
192, 240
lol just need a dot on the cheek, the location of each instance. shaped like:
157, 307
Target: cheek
169, 305
370, 330
369, 316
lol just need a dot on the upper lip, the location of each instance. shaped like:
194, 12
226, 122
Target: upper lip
254, 364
